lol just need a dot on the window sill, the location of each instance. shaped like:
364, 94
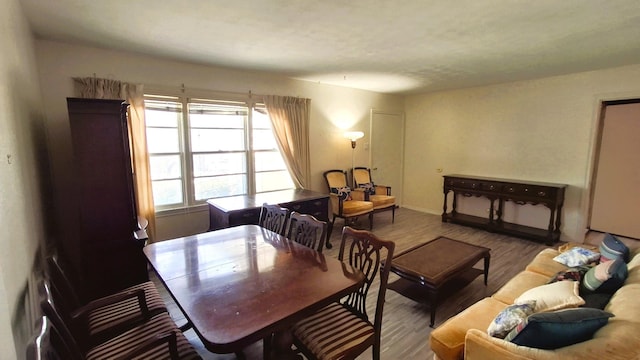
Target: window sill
182, 211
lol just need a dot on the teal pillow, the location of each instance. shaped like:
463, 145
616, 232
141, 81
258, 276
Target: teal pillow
552, 330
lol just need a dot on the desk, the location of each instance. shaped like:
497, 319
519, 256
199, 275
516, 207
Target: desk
241, 284
245, 209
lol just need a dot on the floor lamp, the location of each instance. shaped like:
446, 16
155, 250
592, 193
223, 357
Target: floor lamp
353, 136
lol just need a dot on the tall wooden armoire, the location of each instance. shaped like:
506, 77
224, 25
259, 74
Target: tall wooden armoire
102, 247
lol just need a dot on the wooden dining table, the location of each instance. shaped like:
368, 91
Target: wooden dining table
242, 284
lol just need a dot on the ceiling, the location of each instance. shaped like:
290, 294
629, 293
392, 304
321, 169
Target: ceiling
405, 46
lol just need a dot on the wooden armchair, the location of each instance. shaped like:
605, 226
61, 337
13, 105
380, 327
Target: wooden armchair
345, 204
379, 195
100, 319
157, 337
343, 330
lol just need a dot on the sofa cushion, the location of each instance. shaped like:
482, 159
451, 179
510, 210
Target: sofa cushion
577, 256
517, 285
611, 248
554, 296
544, 264
447, 340
509, 318
557, 329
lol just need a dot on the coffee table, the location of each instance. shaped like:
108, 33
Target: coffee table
437, 267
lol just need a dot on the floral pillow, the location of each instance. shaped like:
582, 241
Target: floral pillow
368, 187
577, 256
509, 318
343, 192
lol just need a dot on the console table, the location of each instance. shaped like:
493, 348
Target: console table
500, 190
245, 209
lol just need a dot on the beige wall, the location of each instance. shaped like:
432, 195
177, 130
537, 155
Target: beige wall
22, 176
541, 130
332, 108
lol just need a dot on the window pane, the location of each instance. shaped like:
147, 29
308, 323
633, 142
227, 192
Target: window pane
261, 120
264, 140
163, 140
156, 118
218, 186
273, 180
217, 140
167, 192
165, 167
218, 164
216, 121
269, 160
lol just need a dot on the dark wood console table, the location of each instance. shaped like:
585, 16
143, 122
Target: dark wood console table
501, 190
245, 209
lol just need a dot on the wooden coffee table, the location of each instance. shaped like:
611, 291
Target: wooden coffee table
437, 267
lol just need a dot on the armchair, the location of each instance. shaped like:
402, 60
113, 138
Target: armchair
379, 195
345, 204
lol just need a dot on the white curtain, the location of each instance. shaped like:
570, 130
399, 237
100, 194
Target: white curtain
290, 121
96, 88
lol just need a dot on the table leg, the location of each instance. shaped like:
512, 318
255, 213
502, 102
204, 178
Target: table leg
487, 259
433, 304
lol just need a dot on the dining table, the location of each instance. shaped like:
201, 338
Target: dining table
243, 284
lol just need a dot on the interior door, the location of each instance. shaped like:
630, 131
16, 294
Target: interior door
387, 150
616, 195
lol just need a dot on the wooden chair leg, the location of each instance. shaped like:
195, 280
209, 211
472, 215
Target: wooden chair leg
371, 221
330, 230
393, 214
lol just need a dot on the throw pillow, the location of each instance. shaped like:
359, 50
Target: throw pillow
611, 248
554, 296
343, 192
607, 277
577, 256
368, 187
554, 330
509, 318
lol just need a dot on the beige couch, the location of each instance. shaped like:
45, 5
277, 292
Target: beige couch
465, 335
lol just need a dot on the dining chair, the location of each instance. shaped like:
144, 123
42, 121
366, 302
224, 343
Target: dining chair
345, 204
158, 337
379, 195
274, 218
343, 330
307, 230
101, 318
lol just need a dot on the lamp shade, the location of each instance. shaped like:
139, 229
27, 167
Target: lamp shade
354, 135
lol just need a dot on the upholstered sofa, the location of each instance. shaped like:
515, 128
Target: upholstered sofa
465, 334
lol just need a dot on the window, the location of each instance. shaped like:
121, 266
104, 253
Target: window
201, 149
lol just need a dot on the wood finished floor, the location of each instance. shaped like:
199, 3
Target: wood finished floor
405, 328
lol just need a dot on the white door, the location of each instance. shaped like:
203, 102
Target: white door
387, 150
616, 196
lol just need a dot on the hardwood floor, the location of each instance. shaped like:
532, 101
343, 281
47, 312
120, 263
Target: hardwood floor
405, 328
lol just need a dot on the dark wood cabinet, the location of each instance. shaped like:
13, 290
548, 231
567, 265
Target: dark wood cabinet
101, 246
245, 209
498, 191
